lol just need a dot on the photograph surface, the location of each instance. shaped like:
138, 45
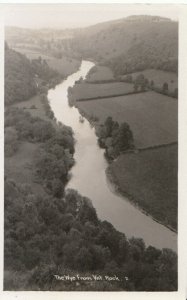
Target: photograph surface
90, 148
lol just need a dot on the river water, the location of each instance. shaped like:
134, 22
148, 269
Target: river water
88, 174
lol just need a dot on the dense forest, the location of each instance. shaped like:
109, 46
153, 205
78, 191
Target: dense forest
21, 76
54, 235
139, 58
57, 231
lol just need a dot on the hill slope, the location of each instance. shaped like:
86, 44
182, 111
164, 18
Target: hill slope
19, 77
133, 43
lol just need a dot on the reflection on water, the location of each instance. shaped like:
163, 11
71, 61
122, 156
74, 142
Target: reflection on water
88, 174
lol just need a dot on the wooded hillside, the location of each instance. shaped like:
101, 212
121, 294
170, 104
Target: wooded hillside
133, 43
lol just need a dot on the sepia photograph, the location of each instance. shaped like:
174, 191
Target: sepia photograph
91, 147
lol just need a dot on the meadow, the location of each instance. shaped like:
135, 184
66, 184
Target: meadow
149, 178
100, 73
159, 77
89, 90
152, 117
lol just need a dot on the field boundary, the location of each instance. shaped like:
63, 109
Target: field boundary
137, 150
157, 146
110, 96
101, 81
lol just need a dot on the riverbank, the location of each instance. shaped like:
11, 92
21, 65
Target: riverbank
63, 227
153, 185
156, 193
20, 166
114, 185
35, 125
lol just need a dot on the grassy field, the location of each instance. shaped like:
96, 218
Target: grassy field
100, 73
150, 178
90, 90
65, 66
152, 117
159, 77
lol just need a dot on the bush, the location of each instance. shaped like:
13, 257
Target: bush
11, 141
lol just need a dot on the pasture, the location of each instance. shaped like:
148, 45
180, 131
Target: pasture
152, 117
100, 73
89, 90
149, 178
159, 77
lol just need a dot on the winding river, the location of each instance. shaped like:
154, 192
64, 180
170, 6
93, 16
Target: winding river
88, 174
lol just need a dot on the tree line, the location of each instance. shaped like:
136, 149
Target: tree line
141, 83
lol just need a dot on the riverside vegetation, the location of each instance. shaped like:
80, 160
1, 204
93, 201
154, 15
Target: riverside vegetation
49, 230
126, 126
142, 53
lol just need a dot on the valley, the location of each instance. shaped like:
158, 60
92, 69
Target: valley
91, 147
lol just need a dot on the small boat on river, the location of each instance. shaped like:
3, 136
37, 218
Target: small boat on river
81, 119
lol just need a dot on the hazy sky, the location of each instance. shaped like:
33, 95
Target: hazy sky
78, 15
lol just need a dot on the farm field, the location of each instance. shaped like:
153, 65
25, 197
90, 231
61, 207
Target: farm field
159, 77
152, 117
89, 90
65, 66
150, 179
100, 73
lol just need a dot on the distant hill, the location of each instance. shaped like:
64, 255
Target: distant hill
131, 44
48, 41
125, 45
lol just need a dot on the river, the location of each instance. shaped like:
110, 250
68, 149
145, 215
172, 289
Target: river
88, 174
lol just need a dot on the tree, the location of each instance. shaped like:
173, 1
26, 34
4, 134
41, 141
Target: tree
42, 130
57, 187
152, 84
11, 141
84, 260
135, 87
19, 77
143, 85
124, 138
123, 249
165, 88
128, 78
151, 254
108, 126
175, 93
